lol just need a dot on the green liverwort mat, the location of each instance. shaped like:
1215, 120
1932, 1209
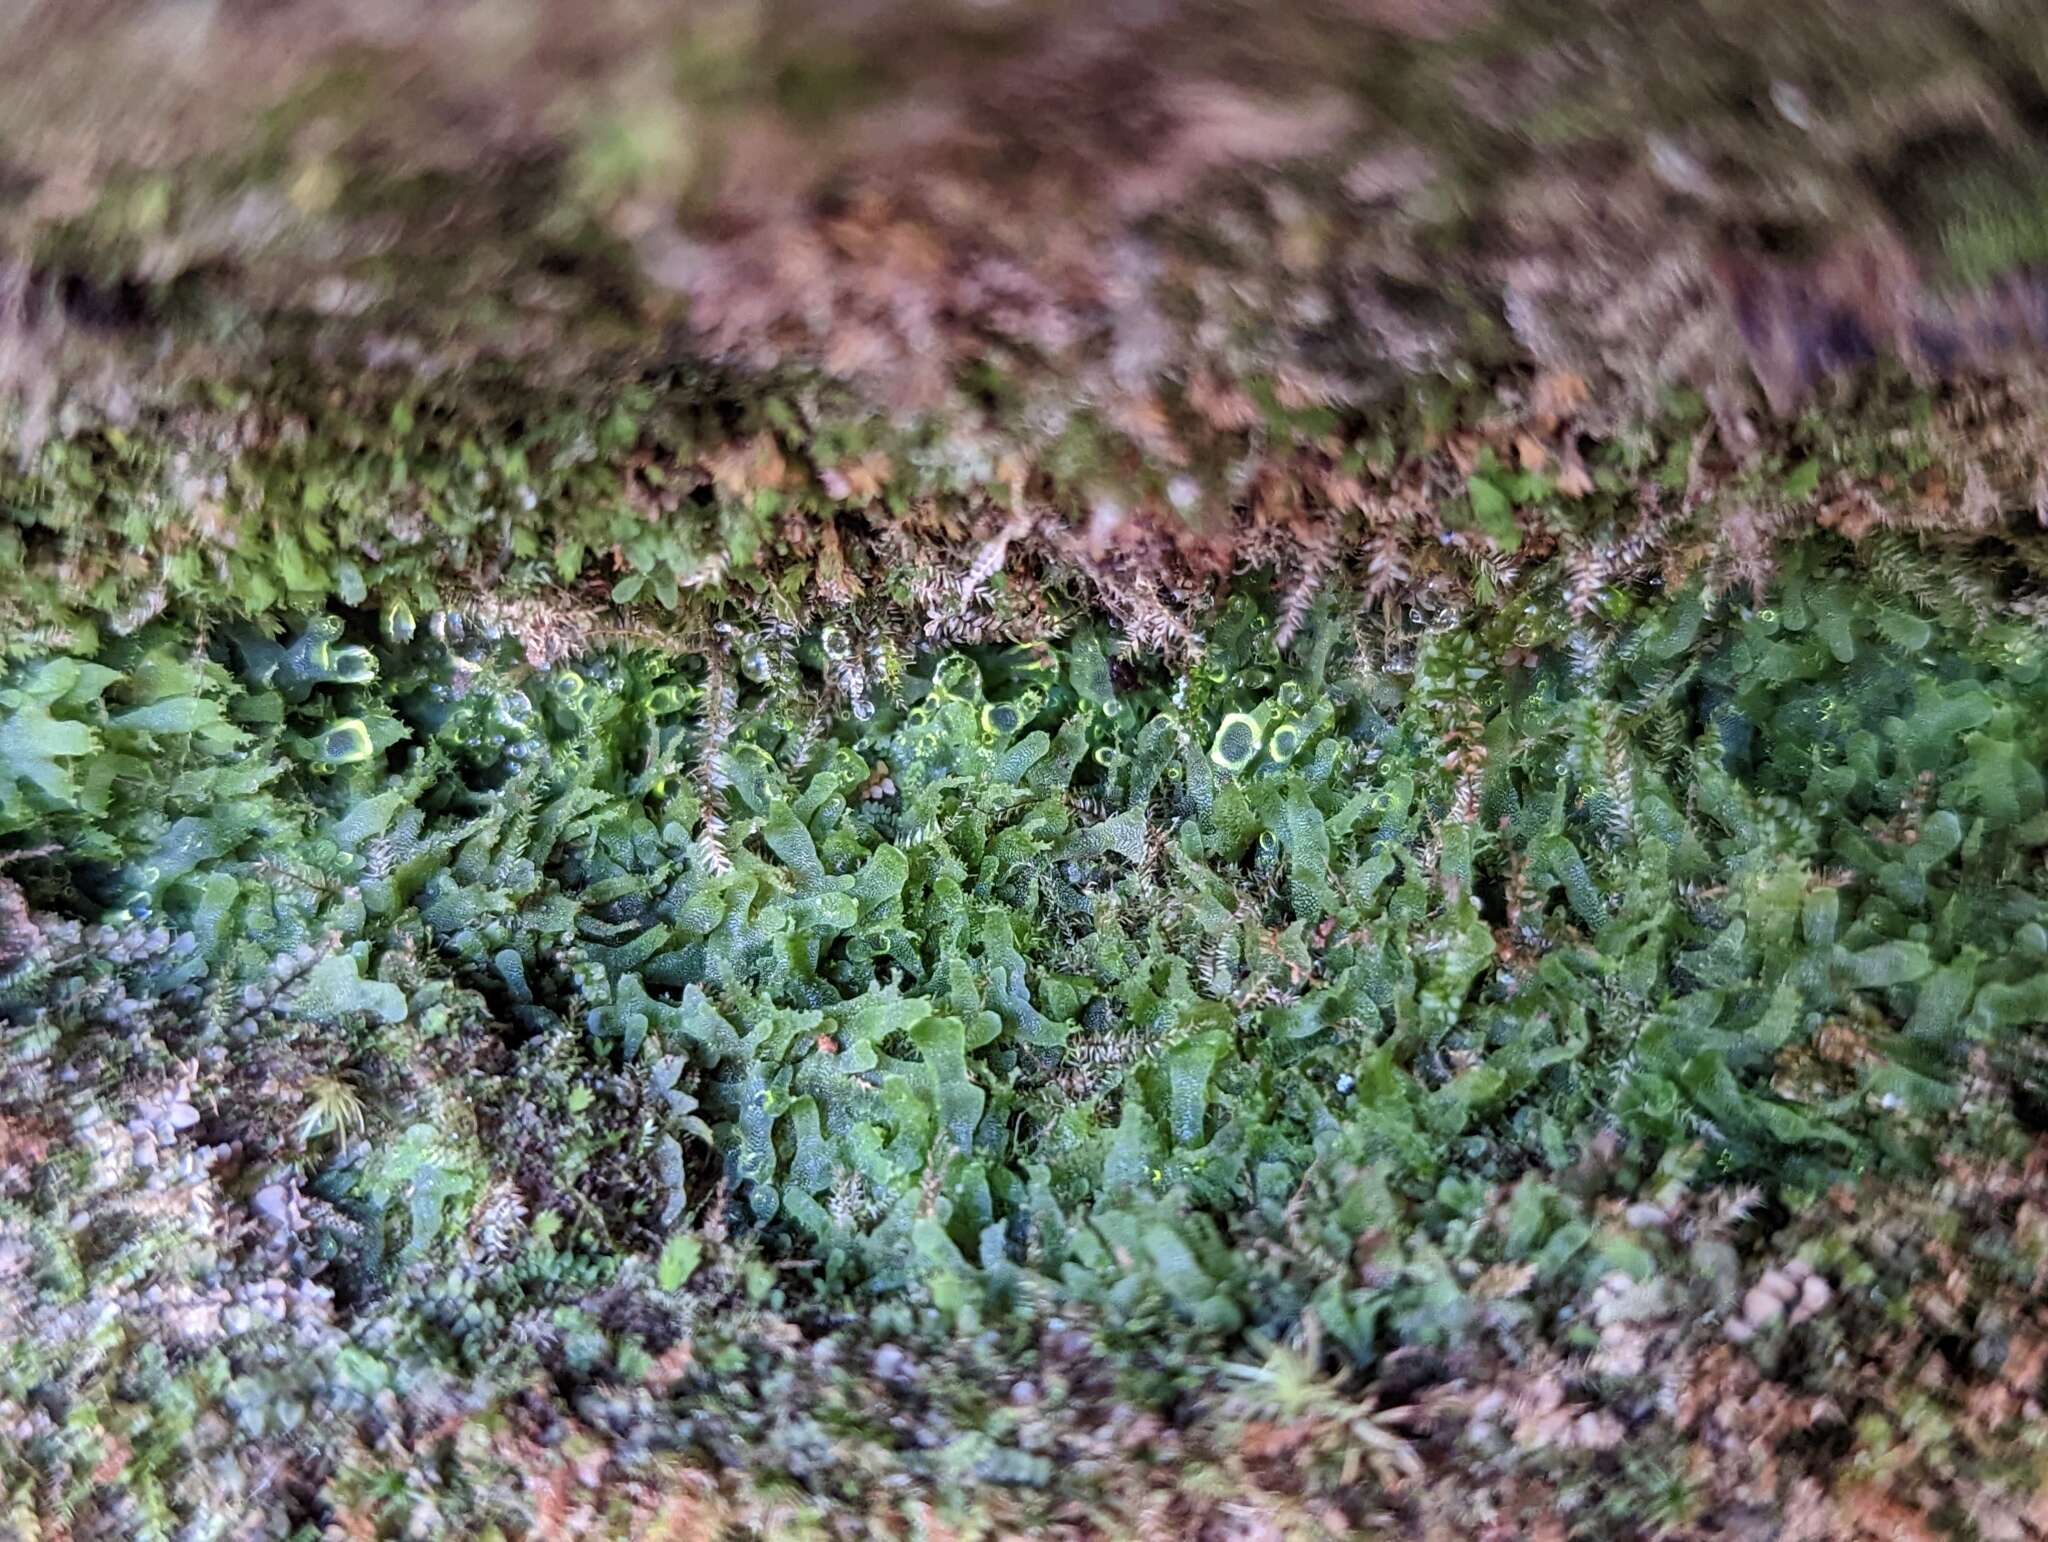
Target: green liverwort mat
1285, 994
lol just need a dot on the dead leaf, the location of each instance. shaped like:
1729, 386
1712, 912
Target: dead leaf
1503, 1281
1558, 394
1880, 1518
748, 466
859, 481
1263, 1441
670, 1366
1573, 480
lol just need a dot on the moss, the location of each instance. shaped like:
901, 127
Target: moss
516, 988
1321, 891
1994, 231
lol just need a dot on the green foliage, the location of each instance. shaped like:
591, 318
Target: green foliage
1057, 979
385, 491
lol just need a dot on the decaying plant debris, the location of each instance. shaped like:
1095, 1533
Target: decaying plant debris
924, 770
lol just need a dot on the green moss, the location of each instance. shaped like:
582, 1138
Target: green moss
541, 909
1994, 230
542, 982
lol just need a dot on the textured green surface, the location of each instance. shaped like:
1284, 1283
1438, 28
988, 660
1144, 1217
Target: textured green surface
781, 770
532, 1014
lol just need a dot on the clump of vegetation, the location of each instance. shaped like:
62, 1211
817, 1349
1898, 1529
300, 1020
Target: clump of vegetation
920, 773
823, 1082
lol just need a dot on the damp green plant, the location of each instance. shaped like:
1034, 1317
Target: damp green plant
1282, 1019
333, 1109
1288, 1387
